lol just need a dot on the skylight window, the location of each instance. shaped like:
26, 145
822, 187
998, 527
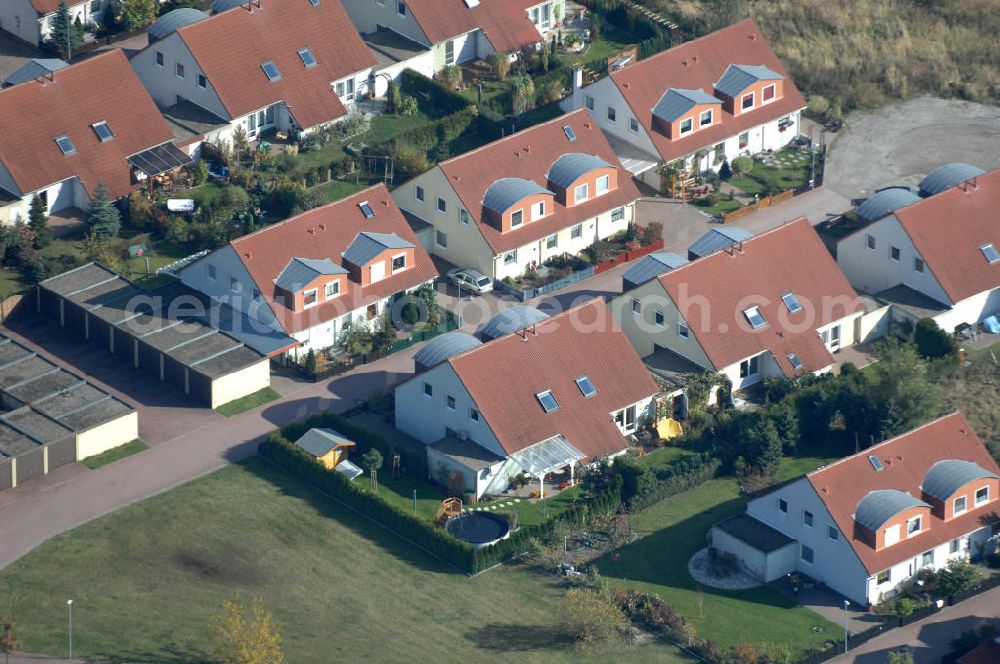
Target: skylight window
65, 144
549, 403
586, 386
991, 253
570, 134
792, 302
308, 59
271, 71
876, 463
366, 209
754, 317
471, 3
796, 362
314, 3
103, 131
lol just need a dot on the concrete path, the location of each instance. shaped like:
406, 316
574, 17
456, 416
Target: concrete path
928, 639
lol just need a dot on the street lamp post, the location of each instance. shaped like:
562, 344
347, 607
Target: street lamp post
69, 606
847, 603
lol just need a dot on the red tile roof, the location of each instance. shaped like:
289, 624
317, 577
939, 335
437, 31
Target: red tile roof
948, 230
906, 460
790, 258
503, 377
987, 652
276, 32
267, 252
699, 64
105, 88
528, 154
505, 23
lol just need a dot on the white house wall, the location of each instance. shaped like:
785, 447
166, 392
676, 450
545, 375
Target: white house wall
872, 270
970, 310
643, 332
422, 63
605, 93
367, 15
426, 418
165, 86
20, 19
834, 561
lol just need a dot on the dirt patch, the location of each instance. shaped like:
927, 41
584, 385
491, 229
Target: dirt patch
900, 143
230, 566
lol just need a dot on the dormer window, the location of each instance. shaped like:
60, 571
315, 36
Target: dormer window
548, 401
686, 126
66, 145
767, 94
309, 298
754, 317
913, 526
990, 252
516, 218
103, 131
538, 210
332, 289
982, 495
603, 184
959, 505
791, 302
271, 71
398, 263
581, 193
746, 101
705, 118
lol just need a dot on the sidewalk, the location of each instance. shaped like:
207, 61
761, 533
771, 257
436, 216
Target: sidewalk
928, 639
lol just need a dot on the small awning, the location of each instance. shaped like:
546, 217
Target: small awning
348, 469
547, 456
160, 159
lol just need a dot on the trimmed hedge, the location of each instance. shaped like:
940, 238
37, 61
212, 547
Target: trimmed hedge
428, 90
653, 38
437, 541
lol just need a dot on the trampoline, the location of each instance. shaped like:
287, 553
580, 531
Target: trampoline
478, 528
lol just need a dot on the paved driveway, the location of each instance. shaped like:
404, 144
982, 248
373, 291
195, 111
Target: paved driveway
900, 143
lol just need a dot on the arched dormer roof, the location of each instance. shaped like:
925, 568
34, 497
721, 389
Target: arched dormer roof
569, 167
948, 476
443, 347
173, 21
947, 176
505, 192
878, 507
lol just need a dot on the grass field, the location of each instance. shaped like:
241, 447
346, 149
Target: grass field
114, 454
612, 39
249, 402
673, 530
146, 579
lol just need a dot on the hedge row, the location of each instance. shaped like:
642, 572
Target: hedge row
643, 487
439, 132
437, 541
428, 91
653, 37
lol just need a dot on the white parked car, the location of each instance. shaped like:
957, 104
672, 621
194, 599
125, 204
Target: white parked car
468, 279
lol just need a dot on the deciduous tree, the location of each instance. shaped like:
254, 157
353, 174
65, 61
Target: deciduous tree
589, 617
246, 634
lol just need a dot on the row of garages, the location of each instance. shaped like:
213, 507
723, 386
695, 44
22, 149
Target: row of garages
211, 366
53, 417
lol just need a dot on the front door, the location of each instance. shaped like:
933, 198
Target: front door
831, 338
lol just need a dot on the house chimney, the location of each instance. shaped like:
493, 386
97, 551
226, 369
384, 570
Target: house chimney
524, 334
694, 59
741, 246
248, 254
322, 226
753, 36
311, 231
385, 202
684, 62
533, 332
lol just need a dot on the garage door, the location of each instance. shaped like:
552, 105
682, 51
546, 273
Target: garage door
62, 452
30, 465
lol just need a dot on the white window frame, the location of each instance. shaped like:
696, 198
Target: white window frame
870, 241
611, 114
701, 118
690, 126
305, 295
418, 194
895, 253
588, 101
918, 264
538, 210
442, 206
879, 581
428, 390
449, 402
659, 320
743, 99
954, 505
438, 234
763, 94
585, 187
159, 60
618, 214
636, 307
552, 241
754, 312
811, 560
392, 268
633, 125
808, 518
683, 331
179, 70
752, 367
606, 180
335, 284
202, 81
576, 232
510, 257
986, 498
516, 218
919, 521
463, 216
782, 505
400, 8
474, 414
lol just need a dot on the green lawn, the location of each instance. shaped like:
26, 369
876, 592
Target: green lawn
722, 206
664, 456
334, 190
146, 579
249, 402
11, 282
612, 39
673, 530
205, 194
776, 177
115, 453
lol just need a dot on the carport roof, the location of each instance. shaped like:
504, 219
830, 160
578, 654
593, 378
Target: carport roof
13, 442
35, 425
754, 533
198, 346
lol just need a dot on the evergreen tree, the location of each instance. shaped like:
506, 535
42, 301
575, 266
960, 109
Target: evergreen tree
38, 221
103, 219
64, 34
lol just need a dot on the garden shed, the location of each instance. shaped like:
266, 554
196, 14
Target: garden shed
764, 552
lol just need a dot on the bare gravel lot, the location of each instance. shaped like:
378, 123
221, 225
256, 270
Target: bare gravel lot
900, 143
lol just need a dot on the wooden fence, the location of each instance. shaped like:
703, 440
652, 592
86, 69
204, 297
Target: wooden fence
767, 201
627, 256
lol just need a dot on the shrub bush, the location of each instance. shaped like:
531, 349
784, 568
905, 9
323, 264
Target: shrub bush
440, 98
